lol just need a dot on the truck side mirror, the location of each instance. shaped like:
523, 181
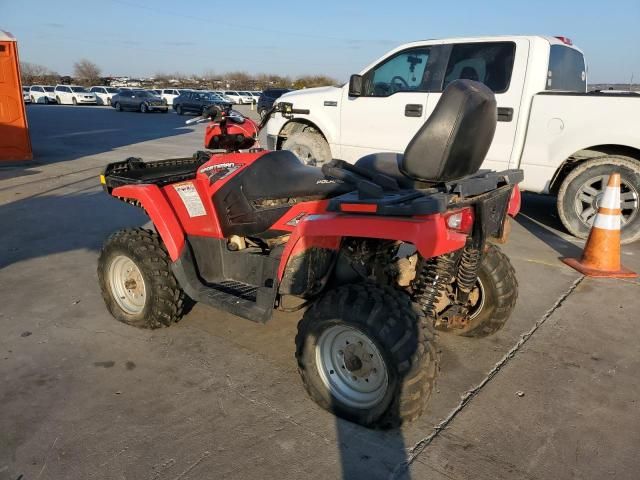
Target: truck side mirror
355, 86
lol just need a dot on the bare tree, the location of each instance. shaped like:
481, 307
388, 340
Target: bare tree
86, 71
32, 73
308, 81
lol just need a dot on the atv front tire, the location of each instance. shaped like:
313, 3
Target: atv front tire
494, 296
137, 284
366, 354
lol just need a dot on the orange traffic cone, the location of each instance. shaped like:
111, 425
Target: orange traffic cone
601, 255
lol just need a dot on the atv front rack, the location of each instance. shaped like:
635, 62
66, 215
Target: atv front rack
135, 171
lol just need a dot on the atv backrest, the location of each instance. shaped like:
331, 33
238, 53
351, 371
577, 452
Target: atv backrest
455, 139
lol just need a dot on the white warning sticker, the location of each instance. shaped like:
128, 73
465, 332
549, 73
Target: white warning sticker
191, 199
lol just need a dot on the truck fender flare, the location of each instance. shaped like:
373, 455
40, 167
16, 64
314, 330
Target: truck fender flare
156, 206
290, 127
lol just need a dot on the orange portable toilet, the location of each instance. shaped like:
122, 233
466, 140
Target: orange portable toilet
15, 143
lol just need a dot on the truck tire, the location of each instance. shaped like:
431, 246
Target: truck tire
366, 354
581, 190
494, 296
137, 284
310, 147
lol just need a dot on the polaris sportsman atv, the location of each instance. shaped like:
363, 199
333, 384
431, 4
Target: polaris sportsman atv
377, 254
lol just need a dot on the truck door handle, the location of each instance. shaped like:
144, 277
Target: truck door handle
412, 110
505, 114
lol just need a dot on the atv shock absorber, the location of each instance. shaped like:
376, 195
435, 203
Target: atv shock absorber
467, 272
432, 277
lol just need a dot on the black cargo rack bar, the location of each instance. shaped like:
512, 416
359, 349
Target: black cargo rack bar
135, 171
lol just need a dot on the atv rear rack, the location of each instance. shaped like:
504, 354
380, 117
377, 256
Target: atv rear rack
135, 171
379, 194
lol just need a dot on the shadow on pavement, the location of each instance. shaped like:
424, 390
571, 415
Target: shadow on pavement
63, 133
538, 216
49, 224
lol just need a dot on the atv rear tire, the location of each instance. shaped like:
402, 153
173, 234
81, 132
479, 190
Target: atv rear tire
496, 291
309, 146
366, 354
136, 280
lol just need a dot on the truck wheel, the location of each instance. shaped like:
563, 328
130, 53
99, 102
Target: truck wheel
136, 280
144, 108
581, 191
365, 353
492, 300
310, 147
118, 107
179, 110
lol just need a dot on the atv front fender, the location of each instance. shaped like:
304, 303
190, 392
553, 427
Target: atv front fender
429, 233
155, 204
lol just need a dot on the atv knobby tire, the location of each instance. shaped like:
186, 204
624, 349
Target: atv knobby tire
500, 291
383, 317
164, 300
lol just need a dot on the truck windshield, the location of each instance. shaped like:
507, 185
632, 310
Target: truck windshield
78, 89
567, 71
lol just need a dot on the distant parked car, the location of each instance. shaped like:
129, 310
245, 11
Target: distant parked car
74, 95
104, 94
42, 94
265, 102
234, 96
138, 100
155, 91
25, 95
195, 102
169, 94
256, 96
224, 97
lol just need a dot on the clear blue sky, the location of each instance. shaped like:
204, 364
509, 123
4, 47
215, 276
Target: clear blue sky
336, 37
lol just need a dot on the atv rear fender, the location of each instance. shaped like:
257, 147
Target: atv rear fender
428, 233
155, 204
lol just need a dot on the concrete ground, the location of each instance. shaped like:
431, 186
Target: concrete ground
553, 395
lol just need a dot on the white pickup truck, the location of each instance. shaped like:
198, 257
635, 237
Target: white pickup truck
566, 140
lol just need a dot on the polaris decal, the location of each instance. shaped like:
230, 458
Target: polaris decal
220, 171
296, 220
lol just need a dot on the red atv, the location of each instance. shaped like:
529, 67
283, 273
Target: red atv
377, 253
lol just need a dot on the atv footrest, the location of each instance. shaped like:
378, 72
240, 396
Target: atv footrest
237, 289
242, 299
234, 297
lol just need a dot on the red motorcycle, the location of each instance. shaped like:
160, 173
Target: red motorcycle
376, 254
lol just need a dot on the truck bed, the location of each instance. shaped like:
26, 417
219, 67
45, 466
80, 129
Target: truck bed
562, 124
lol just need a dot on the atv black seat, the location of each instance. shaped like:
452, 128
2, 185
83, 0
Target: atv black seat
251, 202
455, 139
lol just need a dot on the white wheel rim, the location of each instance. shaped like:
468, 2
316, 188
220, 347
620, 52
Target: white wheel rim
590, 193
351, 366
127, 284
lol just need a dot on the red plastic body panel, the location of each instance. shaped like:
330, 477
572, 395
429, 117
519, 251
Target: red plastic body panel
429, 233
161, 213
248, 128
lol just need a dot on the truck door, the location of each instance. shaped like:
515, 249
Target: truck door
501, 65
391, 108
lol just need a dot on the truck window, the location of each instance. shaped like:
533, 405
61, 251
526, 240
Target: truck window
490, 63
403, 72
567, 71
